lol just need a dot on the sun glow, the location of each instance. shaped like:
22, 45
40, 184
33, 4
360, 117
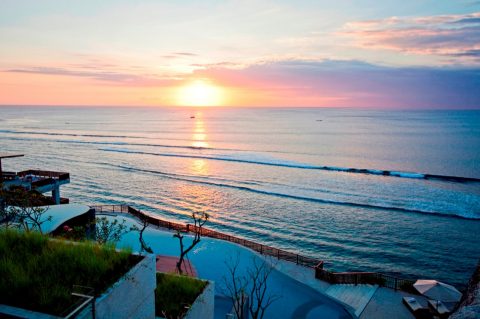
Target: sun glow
200, 93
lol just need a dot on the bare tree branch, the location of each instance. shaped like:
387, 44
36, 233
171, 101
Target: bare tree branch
249, 290
143, 244
199, 219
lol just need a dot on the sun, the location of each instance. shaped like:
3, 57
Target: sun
199, 93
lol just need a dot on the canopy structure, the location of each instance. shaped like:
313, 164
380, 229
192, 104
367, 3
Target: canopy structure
437, 290
6, 155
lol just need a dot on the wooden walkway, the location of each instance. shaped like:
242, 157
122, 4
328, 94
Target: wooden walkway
168, 264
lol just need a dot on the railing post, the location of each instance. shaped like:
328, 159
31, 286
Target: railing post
395, 283
297, 259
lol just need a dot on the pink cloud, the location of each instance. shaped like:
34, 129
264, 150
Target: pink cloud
451, 36
350, 84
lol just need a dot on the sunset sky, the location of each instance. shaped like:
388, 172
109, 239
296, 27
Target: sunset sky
397, 54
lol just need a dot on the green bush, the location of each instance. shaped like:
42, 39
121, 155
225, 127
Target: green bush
38, 273
175, 294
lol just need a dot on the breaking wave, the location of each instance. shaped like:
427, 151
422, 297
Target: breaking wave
224, 184
292, 164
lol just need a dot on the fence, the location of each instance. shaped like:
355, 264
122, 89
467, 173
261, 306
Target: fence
320, 273
372, 278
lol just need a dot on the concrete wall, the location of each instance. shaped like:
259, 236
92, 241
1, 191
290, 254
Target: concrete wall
133, 296
204, 305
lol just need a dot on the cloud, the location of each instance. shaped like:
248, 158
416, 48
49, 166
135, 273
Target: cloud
96, 73
353, 83
175, 55
469, 53
302, 82
445, 35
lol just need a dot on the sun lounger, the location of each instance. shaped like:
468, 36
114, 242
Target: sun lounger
416, 308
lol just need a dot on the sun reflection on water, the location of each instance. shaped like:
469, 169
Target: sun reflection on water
199, 136
200, 167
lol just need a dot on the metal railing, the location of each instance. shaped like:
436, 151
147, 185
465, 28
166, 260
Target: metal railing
84, 303
356, 278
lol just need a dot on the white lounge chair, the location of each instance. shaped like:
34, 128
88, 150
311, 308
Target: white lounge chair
416, 308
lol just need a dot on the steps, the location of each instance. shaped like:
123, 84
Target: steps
356, 296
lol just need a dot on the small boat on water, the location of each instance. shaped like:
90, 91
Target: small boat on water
192, 117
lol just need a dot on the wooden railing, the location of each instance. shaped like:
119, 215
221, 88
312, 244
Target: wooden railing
8, 176
262, 249
320, 273
372, 278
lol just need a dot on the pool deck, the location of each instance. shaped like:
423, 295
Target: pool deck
364, 301
387, 303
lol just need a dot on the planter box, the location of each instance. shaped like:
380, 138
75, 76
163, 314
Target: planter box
133, 296
204, 305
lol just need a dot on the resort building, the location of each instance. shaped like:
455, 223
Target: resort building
305, 288
34, 179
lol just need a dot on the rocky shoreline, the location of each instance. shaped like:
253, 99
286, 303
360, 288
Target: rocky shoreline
470, 305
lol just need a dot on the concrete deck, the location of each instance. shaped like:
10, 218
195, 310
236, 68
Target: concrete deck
356, 296
387, 303
367, 301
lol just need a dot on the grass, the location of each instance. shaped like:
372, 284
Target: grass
175, 294
37, 273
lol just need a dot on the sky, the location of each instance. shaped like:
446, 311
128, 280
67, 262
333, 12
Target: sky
364, 53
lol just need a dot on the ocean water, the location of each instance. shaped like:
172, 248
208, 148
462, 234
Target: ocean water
365, 190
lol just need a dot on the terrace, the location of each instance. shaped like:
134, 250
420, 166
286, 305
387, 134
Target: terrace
39, 180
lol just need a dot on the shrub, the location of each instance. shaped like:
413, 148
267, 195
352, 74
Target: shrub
38, 273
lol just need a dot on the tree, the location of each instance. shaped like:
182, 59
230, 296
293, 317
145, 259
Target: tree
249, 291
107, 231
21, 208
199, 219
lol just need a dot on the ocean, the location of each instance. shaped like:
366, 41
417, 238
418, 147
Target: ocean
362, 189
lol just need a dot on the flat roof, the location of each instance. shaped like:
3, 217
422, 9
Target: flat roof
9, 155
